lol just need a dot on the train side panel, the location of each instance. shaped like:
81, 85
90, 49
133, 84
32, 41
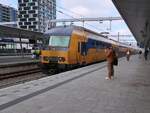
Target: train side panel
95, 50
74, 55
83, 50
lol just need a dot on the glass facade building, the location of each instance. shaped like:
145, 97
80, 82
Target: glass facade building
34, 14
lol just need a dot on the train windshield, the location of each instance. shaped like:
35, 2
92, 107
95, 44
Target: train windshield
59, 41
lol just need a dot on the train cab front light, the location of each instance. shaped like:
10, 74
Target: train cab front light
45, 58
61, 59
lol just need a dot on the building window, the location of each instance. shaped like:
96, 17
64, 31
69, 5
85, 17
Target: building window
20, 9
19, 16
31, 4
25, 0
23, 19
26, 16
31, 11
27, 23
21, 5
35, 7
35, 23
24, 27
22, 12
32, 26
19, 1
26, 8
20, 23
35, 15
31, 19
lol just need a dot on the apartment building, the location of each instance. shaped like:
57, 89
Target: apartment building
34, 14
7, 13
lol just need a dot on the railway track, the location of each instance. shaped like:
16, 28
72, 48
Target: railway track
19, 73
18, 69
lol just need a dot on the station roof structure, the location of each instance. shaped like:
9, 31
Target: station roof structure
136, 15
19, 33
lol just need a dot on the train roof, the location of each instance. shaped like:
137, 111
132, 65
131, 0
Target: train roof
60, 30
67, 31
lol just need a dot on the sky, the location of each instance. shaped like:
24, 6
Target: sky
88, 8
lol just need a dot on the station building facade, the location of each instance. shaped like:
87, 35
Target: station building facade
7, 14
34, 14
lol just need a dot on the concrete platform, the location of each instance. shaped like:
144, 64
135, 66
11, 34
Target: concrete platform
10, 60
84, 90
25, 56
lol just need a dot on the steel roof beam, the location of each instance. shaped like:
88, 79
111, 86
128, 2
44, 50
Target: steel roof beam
86, 19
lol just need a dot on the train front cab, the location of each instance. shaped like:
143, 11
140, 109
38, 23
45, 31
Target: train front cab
63, 52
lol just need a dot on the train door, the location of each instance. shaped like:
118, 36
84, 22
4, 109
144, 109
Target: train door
82, 49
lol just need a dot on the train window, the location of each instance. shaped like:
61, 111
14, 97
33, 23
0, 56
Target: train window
83, 49
59, 41
79, 45
101, 45
97, 43
94, 44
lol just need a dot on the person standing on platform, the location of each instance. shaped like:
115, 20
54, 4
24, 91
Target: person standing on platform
145, 54
128, 53
140, 53
110, 58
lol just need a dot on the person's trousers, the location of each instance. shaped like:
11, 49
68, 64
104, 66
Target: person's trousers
128, 57
110, 70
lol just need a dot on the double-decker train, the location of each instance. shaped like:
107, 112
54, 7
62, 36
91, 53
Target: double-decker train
66, 47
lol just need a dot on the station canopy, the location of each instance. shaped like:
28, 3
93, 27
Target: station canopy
19, 33
136, 14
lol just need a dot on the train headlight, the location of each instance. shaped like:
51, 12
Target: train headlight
45, 58
61, 59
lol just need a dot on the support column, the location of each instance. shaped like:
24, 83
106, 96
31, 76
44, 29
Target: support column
118, 37
22, 54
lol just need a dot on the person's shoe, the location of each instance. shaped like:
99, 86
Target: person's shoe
107, 78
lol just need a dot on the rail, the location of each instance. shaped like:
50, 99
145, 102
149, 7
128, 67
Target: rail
19, 73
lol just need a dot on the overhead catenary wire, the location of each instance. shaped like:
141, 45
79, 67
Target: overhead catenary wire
57, 6
78, 19
62, 12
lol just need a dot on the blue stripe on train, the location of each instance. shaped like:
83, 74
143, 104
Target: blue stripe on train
91, 43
